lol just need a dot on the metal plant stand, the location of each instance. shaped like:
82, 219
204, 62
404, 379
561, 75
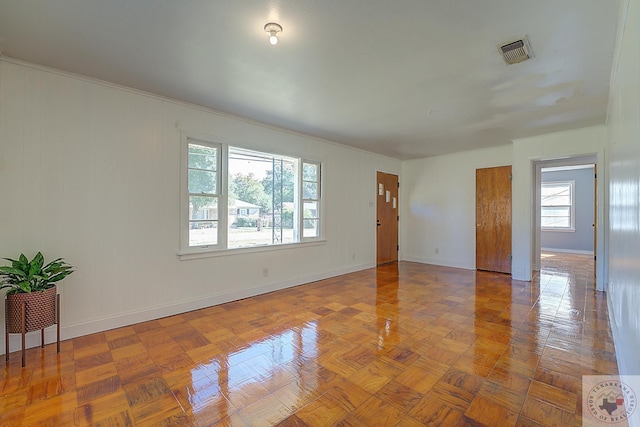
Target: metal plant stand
24, 330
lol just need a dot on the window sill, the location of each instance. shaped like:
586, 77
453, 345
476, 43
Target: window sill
561, 230
213, 253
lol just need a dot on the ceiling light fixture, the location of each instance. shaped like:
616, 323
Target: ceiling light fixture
273, 29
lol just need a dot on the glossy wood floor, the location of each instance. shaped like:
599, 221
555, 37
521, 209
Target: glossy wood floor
405, 344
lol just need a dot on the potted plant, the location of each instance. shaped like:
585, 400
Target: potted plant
31, 302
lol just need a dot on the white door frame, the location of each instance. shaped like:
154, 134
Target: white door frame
537, 165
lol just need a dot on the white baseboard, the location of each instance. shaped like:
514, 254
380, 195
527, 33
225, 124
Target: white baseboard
567, 251
112, 322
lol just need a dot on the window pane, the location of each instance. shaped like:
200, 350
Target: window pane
555, 217
203, 207
203, 233
310, 228
202, 181
556, 204
310, 210
553, 195
557, 211
557, 200
555, 222
310, 172
202, 157
248, 234
309, 190
261, 198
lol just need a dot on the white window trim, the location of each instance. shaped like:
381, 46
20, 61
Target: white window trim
186, 252
572, 208
319, 201
185, 256
186, 138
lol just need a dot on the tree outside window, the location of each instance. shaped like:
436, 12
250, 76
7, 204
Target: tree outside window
269, 199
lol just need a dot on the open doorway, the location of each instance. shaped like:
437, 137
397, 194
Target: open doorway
566, 209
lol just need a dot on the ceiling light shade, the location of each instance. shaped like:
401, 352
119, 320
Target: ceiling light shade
273, 29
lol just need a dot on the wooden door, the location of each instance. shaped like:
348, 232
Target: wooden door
387, 221
493, 219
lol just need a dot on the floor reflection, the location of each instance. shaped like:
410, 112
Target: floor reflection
261, 366
387, 306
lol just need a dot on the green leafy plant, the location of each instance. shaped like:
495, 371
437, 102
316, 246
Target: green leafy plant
24, 276
245, 221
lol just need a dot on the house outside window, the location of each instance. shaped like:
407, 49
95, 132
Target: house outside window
270, 199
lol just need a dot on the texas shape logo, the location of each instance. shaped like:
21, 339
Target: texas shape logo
611, 401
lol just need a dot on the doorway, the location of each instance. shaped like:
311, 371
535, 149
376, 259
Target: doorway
565, 216
387, 218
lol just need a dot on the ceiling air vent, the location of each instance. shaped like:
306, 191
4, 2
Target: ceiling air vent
516, 51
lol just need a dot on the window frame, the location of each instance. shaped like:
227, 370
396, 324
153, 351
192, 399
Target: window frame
571, 206
317, 200
186, 252
185, 219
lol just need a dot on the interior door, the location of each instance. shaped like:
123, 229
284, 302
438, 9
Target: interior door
387, 221
493, 219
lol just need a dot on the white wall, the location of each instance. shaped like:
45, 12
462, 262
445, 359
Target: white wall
438, 202
526, 151
624, 190
91, 172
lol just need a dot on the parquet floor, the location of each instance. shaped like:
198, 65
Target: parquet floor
406, 344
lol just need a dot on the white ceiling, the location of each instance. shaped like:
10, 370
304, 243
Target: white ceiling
406, 78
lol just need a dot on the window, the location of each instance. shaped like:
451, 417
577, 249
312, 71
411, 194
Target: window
267, 199
310, 199
557, 206
203, 166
